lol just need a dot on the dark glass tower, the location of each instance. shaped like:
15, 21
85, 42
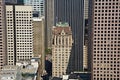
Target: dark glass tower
10, 1
72, 12
20, 1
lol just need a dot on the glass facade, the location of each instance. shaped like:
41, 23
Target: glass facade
37, 5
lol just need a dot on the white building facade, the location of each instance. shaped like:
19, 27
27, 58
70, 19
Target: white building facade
19, 33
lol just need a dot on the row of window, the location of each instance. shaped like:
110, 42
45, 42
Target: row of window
107, 28
105, 18
109, 38
106, 3
108, 52
111, 35
105, 0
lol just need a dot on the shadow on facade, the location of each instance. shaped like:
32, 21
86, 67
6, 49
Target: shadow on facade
71, 63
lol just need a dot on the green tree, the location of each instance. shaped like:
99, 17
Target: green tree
48, 51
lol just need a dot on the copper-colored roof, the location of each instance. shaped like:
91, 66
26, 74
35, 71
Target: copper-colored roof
58, 30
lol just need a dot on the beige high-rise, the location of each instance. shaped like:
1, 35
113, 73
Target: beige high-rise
106, 40
19, 33
2, 35
61, 49
85, 58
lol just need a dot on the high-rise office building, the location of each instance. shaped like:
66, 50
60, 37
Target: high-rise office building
86, 4
2, 35
61, 49
85, 58
37, 6
86, 26
105, 36
71, 11
49, 22
86, 10
19, 33
38, 42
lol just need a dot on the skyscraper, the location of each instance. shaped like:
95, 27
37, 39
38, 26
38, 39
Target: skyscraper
49, 22
37, 6
2, 35
72, 12
19, 33
86, 10
105, 36
38, 42
86, 26
85, 58
61, 49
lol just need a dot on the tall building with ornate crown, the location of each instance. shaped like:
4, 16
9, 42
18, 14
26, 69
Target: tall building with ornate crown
61, 49
72, 12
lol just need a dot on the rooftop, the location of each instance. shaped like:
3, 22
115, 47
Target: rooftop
62, 24
58, 29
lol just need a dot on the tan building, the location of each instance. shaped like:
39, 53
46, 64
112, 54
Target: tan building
61, 49
106, 40
2, 35
38, 41
19, 33
85, 58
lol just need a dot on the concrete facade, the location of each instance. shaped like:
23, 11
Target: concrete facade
49, 22
39, 42
105, 36
19, 33
2, 35
85, 57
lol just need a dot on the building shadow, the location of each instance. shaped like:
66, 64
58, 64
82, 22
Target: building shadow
71, 63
